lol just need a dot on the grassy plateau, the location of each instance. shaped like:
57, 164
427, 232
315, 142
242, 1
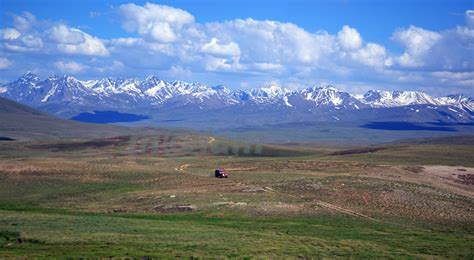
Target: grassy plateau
155, 196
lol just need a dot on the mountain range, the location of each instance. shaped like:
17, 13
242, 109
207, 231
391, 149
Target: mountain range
67, 96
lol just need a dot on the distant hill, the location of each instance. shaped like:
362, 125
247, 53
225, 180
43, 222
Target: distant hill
21, 122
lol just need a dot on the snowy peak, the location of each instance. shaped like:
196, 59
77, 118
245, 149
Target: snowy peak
64, 88
453, 99
330, 96
150, 82
222, 90
30, 77
184, 88
271, 91
457, 100
104, 86
152, 92
154, 88
89, 83
28, 80
267, 95
378, 98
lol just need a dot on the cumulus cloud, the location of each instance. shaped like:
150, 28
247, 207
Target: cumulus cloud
9, 34
127, 42
25, 43
220, 64
213, 47
21, 38
448, 50
349, 38
470, 18
62, 34
4, 63
75, 41
69, 66
415, 39
157, 22
272, 42
168, 40
372, 55
417, 42
24, 22
28, 36
268, 66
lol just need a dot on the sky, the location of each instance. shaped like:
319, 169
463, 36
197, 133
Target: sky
354, 45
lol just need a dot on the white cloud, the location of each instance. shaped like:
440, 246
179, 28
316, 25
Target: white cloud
4, 63
212, 63
69, 66
415, 39
9, 34
62, 34
349, 38
26, 43
56, 38
230, 49
268, 66
372, 55
156, 22
125, 42
112, 66
168, 40
24, 22
275, 49
271, 41
75, 41
417, 42
448, 50
407, 60
470, 18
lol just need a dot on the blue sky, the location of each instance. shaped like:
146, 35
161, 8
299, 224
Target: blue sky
355, 45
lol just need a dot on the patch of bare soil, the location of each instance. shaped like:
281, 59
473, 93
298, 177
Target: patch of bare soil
458, 180
452, 179
377, 199
211, 140
267, 208
466, 179
182, 168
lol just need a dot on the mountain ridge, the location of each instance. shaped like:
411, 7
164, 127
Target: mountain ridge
66, 95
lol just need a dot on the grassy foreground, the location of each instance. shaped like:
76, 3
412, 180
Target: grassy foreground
46, 232
96, 199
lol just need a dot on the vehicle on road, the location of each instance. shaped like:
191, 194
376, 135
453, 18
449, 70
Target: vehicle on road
220, 173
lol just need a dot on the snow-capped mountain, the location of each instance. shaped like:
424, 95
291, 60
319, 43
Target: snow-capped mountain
459, 101
331, 96
66, 96
378, 98
268, 93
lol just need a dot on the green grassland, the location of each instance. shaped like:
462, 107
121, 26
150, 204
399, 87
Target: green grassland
64, 233
441, 154
123, 197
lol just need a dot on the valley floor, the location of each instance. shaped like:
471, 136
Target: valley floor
85, 199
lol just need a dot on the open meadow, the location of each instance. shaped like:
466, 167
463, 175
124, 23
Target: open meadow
122, 196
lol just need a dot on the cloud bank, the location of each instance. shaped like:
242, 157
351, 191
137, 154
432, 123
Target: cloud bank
168, 42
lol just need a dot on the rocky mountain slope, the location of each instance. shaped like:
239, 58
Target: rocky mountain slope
67, 96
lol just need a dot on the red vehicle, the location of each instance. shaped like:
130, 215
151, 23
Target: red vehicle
221, 173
